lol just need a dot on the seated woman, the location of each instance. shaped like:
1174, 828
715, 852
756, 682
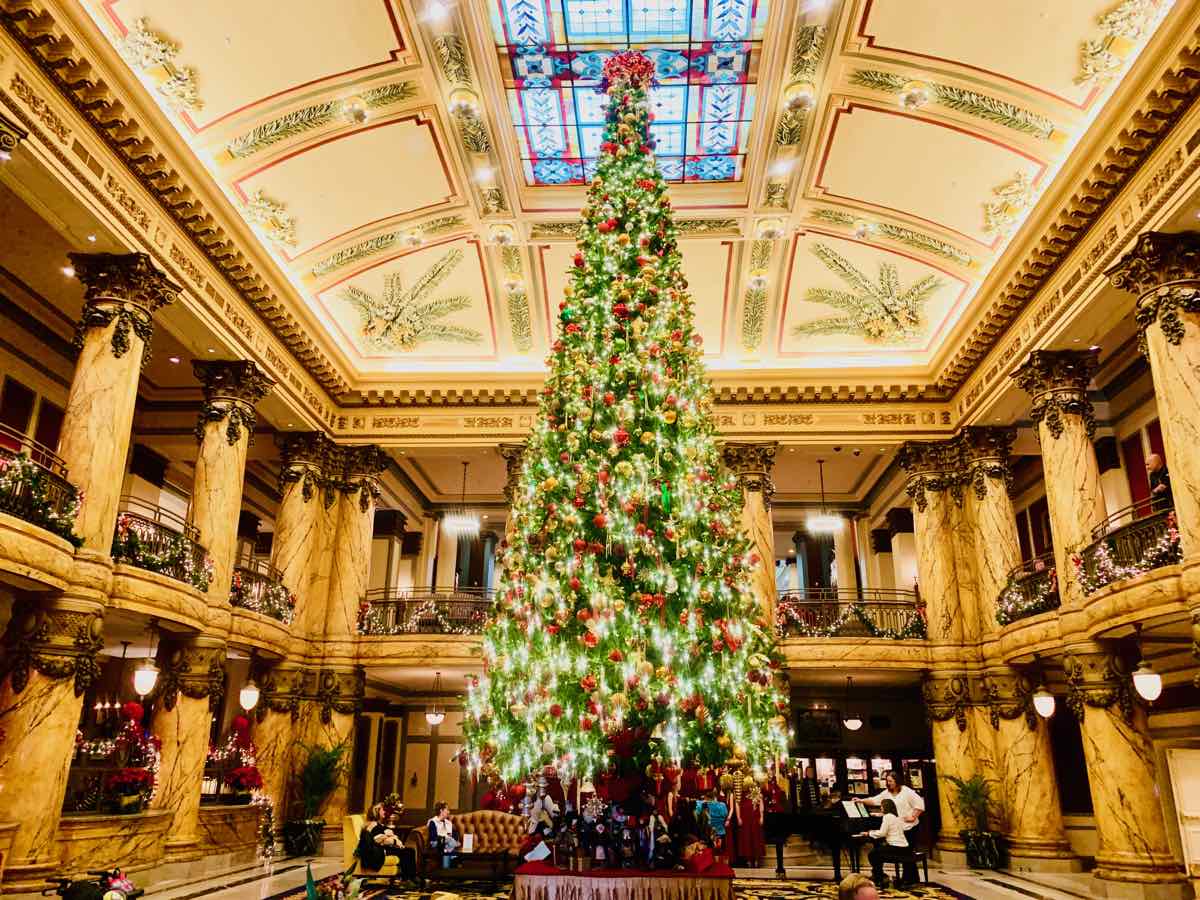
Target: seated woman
891, 845
378, 841
444, 838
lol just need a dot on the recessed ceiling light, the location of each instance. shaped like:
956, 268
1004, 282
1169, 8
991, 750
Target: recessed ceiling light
5, 156
173, 359
437, 12
69, 271
484, 174
791, 551
484, 517
91, 238
212, 349
291, 425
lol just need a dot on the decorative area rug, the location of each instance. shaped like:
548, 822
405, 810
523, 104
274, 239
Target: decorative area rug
744, 889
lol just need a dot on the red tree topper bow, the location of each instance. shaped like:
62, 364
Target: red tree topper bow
631, 67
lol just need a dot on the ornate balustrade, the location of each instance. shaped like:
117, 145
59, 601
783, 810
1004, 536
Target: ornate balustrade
1032, 588
897, 615
258, 586
158, 540
1128, 543
425, 610
34, 486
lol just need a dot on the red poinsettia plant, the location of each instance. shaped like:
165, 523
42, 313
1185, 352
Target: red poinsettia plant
244, 779
132, 780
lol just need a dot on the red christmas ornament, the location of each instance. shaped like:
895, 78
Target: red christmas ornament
585, 724
576, 584
621, 437
579, 260
646, 184
615, 655
590, 640
600, 520
620, 310
588, 683
606, 226
556, 710
608, 147
552, 628
609, 398
602, 476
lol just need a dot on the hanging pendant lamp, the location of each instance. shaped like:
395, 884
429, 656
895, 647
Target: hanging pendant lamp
824, 522
460, 522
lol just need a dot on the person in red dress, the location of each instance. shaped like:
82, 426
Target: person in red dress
748, 813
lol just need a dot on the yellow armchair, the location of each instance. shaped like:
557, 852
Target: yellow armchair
352, 827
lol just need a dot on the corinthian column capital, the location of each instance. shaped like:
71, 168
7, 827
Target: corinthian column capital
1009, 696
125, 287
1099, 678
308, 457
11, 134
931, 466
232, 388
983, 454
1057, 381
1163, 270
752, 464
949, 696
361, 468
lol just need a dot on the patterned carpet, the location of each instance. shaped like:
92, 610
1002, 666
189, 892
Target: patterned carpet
746, 888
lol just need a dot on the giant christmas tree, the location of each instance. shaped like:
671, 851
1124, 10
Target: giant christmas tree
625, 627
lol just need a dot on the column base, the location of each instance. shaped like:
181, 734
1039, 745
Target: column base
26, 877
181, 850
1030, 855
1143, 890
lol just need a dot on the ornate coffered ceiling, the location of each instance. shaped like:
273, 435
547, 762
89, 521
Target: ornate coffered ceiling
848, 172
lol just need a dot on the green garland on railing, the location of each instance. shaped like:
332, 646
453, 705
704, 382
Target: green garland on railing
370, 620
1013, 604
1163, 552
913, 629
20, 473
275, 601
128, 547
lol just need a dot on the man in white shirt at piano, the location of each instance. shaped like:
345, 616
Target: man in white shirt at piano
909, 807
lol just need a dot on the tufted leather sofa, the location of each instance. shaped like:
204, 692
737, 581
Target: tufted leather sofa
498, 837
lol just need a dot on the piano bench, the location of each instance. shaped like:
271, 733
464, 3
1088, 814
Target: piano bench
918, 856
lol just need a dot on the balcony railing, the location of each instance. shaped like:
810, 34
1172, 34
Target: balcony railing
258, 586
897, 615
34, 486
1032, 588
1128, 543
426, 610
158, 540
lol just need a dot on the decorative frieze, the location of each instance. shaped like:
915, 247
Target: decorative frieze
194, 667
282, 688
1058, 380
340, 691
1009, 696
752, 464
232, 388
125, 288
58, 639
1098, 678
949, 696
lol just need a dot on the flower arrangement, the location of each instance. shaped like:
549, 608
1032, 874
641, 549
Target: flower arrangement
245, 779
392, 804
129, 781
27, 492
148, 546
1105, 570
335, 887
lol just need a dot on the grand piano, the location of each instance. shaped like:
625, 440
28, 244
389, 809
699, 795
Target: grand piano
833, 828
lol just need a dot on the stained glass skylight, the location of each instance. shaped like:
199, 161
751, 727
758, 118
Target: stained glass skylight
707, 55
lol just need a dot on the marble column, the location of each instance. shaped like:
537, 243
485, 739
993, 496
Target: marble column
1057, 381
1026, 793
191, 683
488, 541
1134, 855
953, 702
1164, 271
995, 546
338, 700
224, 430
514, 456
47, 662
358, 492
752, 463
283, 687
122, 291
298, 540
423, 565
843, 560
881, 559
931, 484
447, 558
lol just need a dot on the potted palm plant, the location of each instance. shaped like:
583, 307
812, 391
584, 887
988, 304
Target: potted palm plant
970, 801
315, 776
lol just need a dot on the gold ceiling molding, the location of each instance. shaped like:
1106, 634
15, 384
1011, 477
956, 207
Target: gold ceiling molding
77, 79
361, 250
754, 303
1149, 122
569, 231
864, 228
